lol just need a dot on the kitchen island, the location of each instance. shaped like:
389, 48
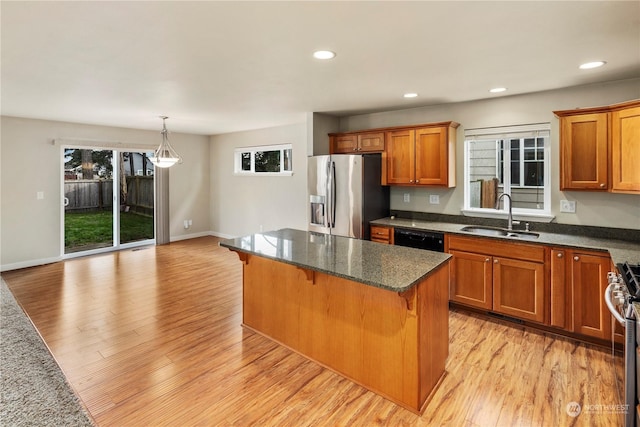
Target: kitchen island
376, 314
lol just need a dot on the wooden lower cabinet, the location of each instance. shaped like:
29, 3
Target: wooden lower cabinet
494, 279
382, 234
578, 280
395, 344
471, 279
560, 314
588, 280
518, 288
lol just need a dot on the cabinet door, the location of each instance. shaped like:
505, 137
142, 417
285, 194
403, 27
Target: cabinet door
558, 301
588, 282
518, 288
400, 157
371, 142
471, 279
341, 144
583, 163
431, 156
625, 150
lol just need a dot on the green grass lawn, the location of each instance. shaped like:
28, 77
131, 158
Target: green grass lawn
95, 229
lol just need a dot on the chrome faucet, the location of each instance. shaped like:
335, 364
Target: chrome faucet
510, 217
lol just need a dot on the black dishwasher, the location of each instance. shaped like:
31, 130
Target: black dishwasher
429, 240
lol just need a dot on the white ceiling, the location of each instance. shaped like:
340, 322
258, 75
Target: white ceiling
217, 67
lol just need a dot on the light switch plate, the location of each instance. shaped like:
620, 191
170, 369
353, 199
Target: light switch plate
568, 206
434, 199
407, 198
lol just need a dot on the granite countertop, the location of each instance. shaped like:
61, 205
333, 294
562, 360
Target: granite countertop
620, 251
389, 267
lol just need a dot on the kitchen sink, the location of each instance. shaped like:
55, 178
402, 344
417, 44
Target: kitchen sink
495, 231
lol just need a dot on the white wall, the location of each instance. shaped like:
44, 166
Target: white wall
597, 209
30, 229
240, 205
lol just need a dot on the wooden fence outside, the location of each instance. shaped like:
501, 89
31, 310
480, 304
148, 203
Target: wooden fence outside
86, 195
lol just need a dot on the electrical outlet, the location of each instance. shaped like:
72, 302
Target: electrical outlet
568, 206
434, 199
40, 195
407, 197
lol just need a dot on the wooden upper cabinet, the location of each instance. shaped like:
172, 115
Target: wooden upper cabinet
583, 142
343, 143
432, 161
371, 142
423, 155
399, 157
625, 150
600, 148
350, 143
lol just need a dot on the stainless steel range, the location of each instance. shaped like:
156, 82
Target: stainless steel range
621, 294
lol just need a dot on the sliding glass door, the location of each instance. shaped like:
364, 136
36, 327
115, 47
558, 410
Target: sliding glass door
108, 200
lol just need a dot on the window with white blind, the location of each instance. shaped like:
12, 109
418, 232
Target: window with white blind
512, 160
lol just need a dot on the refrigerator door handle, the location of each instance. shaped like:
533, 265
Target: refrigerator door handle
331, 194
328, 192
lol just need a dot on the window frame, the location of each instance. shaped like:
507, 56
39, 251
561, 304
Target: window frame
237, 160
507, 133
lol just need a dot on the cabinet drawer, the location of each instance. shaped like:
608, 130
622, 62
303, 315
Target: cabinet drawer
500, 248
381, 234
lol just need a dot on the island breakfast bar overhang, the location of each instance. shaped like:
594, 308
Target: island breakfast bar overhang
374, 313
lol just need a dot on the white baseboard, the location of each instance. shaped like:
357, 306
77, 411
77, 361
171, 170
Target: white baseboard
201, 234
30, 263
189, 236
37, 262
222, 235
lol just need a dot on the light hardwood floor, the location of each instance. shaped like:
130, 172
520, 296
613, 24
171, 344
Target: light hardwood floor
152, 337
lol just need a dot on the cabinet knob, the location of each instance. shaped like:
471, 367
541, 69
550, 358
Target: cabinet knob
495, 261
601, 185
486, 260
560, 255
576, 258
417, 180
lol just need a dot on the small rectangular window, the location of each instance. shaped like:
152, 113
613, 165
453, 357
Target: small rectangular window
509, 160
265, 160
245, 162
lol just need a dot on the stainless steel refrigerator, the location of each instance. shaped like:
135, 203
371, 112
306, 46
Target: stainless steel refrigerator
345, 194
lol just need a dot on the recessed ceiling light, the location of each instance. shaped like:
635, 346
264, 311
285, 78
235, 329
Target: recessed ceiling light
497, 89
590, 65
324, 54
410, 95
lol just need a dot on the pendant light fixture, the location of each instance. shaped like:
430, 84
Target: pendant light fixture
165, 156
